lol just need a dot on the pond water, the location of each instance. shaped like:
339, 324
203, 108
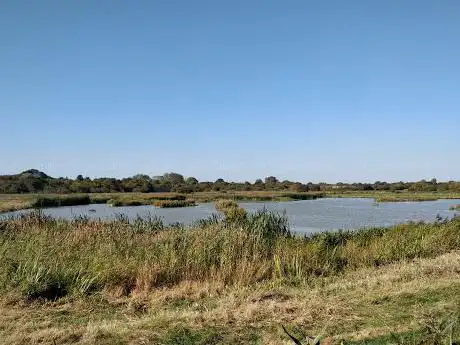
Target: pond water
306, 216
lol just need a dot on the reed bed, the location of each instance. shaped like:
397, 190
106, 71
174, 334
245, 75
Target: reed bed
174, 203
56, 201
49, 258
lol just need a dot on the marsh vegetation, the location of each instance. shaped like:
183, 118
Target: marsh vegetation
233, 278
174, 203
235, 263
11, 202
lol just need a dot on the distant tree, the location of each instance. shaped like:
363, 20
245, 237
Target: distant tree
185, 188
314, 187
247, 186
299, 187
191, 180
141, 177
30, 184
35, 181
367, 186
174, 178
79, 186
271, 180
422, 186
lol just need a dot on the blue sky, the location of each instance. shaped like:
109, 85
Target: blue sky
303, 90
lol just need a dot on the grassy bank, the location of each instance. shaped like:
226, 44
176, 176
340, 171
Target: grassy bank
398, 196
222, 281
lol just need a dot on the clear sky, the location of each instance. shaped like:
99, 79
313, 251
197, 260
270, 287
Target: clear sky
303, 90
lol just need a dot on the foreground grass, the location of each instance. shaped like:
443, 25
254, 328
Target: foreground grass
40, 254
394, 304
230, 281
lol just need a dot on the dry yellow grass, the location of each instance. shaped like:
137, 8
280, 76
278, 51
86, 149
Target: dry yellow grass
11, 202
361, 304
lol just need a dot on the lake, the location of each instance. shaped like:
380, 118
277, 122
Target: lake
305, 216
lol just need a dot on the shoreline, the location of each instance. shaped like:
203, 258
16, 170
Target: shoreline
14, 202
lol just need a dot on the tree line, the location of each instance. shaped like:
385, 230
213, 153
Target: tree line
34, 181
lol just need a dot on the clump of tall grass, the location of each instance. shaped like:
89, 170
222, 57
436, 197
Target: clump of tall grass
147, 224
212, 220
232, 212
46, 257
269, 224
224, 204
174, 203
